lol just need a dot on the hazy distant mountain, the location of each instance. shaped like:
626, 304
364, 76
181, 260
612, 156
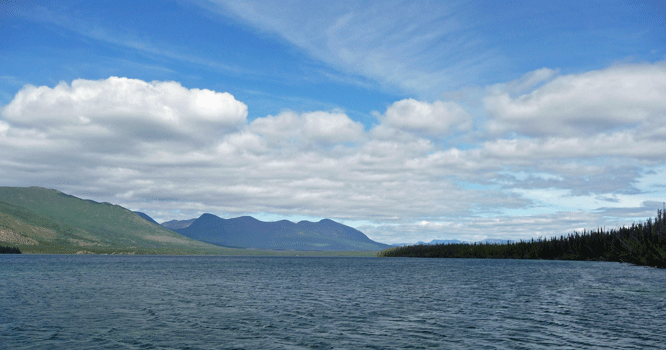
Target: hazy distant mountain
495, 241
248, 232
442, 241
177, 224
453, 241
434, 241
40, 220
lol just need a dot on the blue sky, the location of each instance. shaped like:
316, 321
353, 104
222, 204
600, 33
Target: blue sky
409, 120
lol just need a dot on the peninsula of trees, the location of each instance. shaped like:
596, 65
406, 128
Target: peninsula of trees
9, 250
640, 244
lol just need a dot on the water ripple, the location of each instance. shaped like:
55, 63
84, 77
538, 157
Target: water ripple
107, 302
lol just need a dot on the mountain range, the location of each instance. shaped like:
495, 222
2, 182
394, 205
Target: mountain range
454, 241
248, 232
40, 220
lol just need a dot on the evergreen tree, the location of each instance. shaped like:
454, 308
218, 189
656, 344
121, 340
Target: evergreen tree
640, 244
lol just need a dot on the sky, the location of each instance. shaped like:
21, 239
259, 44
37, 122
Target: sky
408, 120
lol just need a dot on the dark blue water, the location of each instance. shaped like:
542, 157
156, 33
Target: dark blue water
172, 302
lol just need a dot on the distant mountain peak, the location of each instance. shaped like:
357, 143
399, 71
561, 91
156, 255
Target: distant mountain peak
208, 215
249, 232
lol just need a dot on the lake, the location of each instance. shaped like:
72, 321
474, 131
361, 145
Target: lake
203, 302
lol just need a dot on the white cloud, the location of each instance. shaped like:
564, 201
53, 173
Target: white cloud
161, 148
630, 144
474, 229
331, 127
319, 127
581, 104
433, 119
116, 106
242, 142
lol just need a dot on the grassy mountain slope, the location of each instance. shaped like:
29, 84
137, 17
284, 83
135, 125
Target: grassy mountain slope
248, 232
39, 220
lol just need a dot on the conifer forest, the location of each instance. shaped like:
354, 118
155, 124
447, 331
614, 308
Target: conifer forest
639, 244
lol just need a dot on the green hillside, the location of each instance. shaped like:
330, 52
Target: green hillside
39, 220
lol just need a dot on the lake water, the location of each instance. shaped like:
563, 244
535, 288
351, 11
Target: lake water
176, 302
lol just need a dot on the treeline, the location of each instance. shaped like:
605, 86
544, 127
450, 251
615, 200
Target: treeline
9, 250
640, 244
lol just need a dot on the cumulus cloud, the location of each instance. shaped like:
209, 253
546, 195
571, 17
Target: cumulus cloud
629, 144
176, 152
242, 142
433, 119
320, 127
318, 163
125, 106
578, 104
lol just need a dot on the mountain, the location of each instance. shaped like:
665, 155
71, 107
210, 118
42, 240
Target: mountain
145, 216
177, 224
40, 220
433, 242
248, 232
495, 241
441, 241
454, 241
